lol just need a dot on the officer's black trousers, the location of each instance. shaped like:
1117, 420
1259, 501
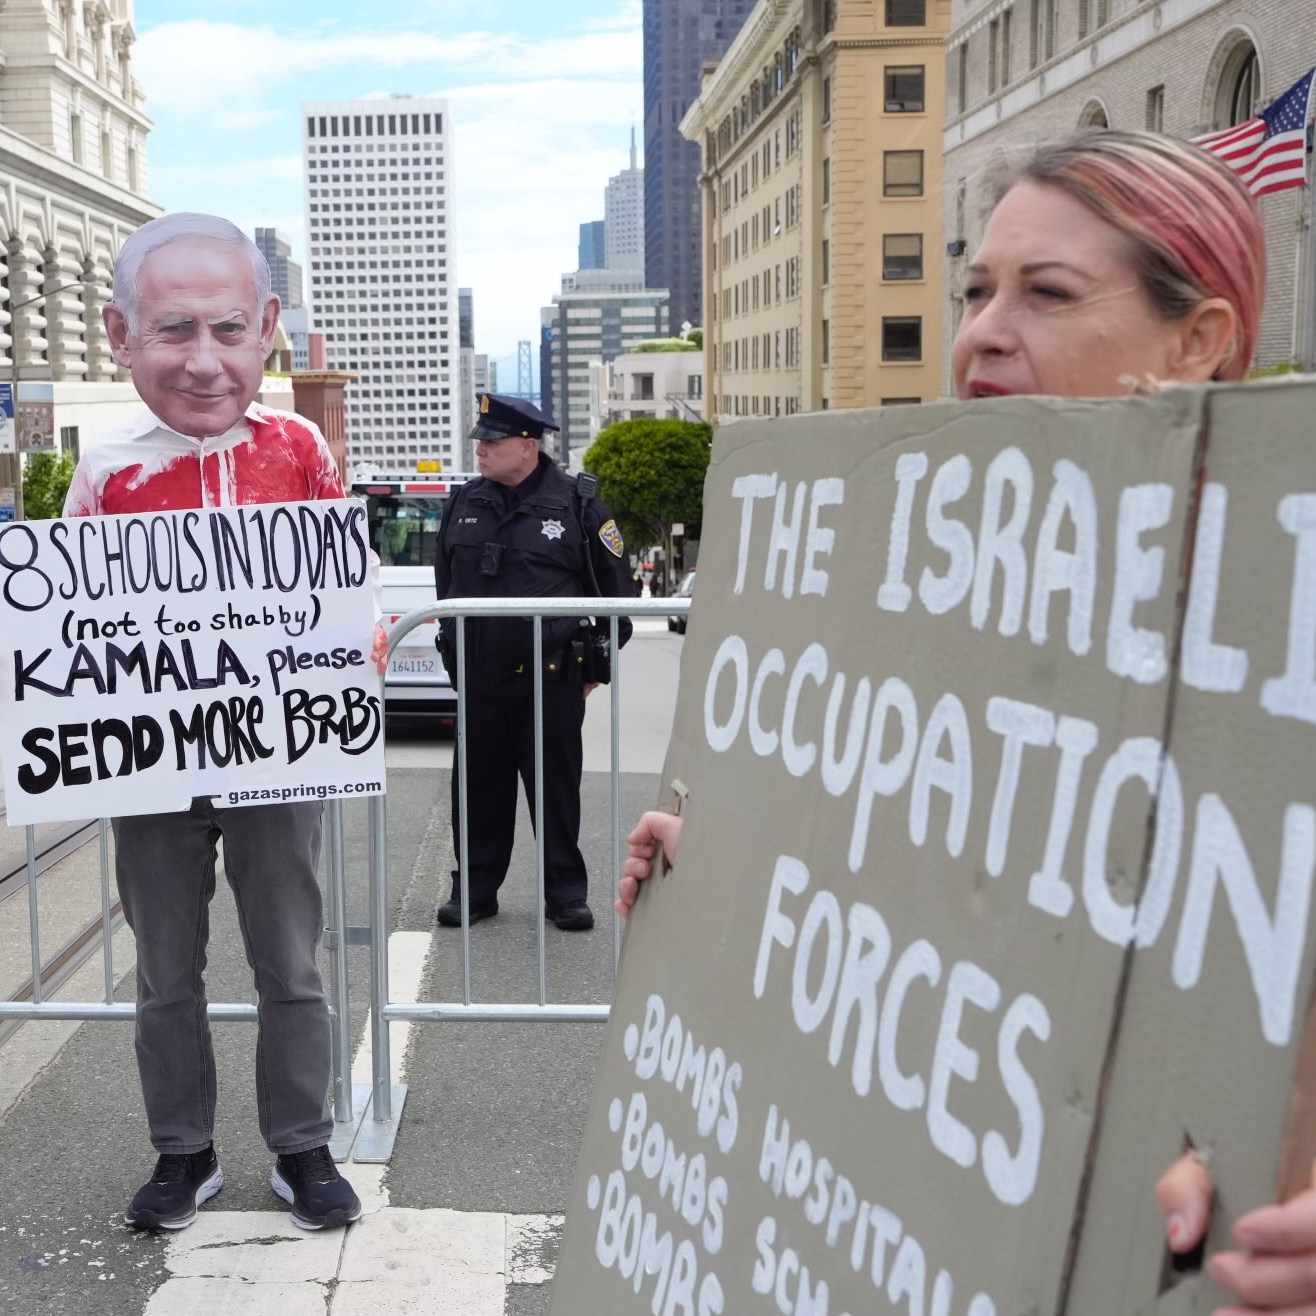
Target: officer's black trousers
500, 747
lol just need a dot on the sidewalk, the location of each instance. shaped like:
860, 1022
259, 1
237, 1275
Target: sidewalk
466, 1219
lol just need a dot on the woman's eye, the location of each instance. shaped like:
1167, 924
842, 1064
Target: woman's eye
976, 293
1048, 293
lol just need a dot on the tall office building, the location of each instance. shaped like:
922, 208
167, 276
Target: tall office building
547, 401
592, 321
285, 273
623, 219
296, 322
381, 272
466, 375
591, 252
465, 318
680, 37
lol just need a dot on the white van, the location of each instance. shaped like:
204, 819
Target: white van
404, 517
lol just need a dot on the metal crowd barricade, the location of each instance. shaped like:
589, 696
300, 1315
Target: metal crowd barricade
33, 1005
378, 1133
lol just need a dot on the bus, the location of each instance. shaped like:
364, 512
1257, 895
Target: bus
403, 514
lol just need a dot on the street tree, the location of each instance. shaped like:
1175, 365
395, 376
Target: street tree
651, 474
46, 480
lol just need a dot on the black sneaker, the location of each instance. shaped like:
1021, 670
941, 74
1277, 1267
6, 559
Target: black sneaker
574, 916
450, 915
319, 1196
181, 1182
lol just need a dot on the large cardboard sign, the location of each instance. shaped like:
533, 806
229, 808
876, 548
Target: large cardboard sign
995, 741
148, 659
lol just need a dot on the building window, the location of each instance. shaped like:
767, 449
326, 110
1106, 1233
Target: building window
906, 13
826, 261
1156, 109
902, 255
792, 134
1007, 39
993, 41
826, 345
68, 441
1092, 14
1094, 116
1246, 90
643, 388
962, 79
902, 173
902, 338
827, 181
1042, 32
694, 385
107, 153
75, 137
904, 89
827, 100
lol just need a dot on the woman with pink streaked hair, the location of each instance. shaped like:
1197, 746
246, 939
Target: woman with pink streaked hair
1115, 262
1111, 259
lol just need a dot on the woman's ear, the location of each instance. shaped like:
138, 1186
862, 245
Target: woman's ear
1208, 336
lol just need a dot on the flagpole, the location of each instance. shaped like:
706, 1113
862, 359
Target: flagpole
1307, 357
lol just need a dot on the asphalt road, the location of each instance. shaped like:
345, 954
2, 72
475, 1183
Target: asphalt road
494, 1112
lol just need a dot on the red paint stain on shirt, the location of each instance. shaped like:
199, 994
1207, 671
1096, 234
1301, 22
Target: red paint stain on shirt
283, 461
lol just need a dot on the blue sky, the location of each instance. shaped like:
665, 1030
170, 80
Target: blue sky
542, 95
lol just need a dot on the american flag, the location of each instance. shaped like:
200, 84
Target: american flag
1269, 152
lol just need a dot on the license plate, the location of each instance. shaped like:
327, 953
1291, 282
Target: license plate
412, 666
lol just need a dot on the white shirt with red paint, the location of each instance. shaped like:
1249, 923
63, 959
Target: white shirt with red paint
144, 466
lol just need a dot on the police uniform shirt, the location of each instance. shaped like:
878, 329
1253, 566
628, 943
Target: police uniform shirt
525, 540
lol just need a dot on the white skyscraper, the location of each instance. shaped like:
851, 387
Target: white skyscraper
383, 288
623, 219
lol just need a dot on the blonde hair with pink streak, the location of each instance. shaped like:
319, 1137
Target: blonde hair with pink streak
1193, 228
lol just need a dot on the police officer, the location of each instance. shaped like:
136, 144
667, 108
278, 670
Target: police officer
524, 528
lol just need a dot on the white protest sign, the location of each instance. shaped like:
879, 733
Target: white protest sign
994, 735
151, 658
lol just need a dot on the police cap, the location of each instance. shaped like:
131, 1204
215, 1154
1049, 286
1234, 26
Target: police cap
504, 417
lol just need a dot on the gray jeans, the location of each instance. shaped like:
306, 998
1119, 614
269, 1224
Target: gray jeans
165, 867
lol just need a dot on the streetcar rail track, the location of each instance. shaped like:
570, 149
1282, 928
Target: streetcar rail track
59, 967
69, 837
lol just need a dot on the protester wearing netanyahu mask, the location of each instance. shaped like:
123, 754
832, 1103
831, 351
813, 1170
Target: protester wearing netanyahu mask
193, 318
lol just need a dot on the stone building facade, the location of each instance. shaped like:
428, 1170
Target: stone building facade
73, 186
1021, 71
821, 131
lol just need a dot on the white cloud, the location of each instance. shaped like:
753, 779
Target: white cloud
197, 67
538, 125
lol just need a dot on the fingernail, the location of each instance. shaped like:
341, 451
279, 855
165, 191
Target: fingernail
1176, 1227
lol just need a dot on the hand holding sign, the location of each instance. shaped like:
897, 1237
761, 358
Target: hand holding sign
654, 830
1274, 1267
